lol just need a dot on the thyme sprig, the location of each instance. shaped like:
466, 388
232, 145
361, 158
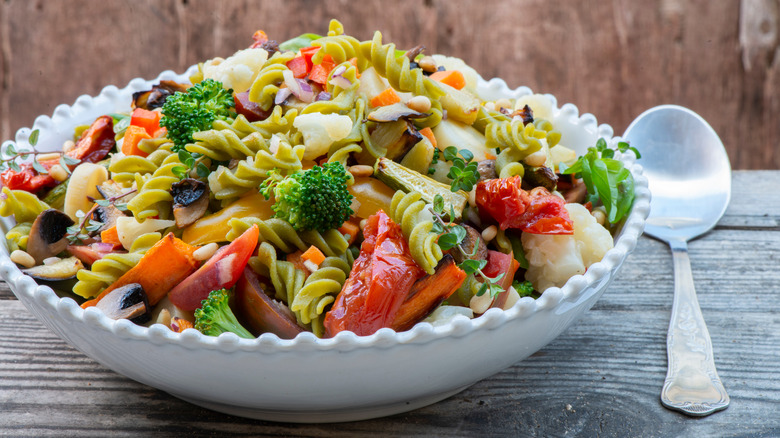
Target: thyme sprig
12, 155
451, 236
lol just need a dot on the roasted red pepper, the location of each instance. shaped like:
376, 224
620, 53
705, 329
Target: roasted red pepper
27, 178
299, 66
379, 282
320, 72
96, 142
537, 212
149, 120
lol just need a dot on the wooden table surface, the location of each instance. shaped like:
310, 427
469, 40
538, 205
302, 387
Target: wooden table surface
602, 377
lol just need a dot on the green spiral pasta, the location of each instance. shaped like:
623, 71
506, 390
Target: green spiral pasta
508, 163
23, 206
249, 173
225, 145
397, 71
524, 139
282, 235
154, 197
278, 122
269, 78
18, 235
341, 48
124, 168
318, 292
285, 277
409, 211
107, 270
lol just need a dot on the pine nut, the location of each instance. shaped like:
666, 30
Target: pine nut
205, 252
51, 260
489, 233
479, 304
68, 146
363, 224
537, 159
420, 104
58, 173
22, 258
164, 318
361, 170
599, 215
427, 63
48, 157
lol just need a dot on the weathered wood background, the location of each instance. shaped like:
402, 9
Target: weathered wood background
613, 59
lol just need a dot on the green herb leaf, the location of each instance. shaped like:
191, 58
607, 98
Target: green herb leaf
34, 137
438, 204
70, 160
15, 166
448, 241
299, 42
202, 170
11, 149
180, 172
472, 266
39, 168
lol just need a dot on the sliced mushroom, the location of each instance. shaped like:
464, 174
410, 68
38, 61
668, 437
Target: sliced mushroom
47, 235
391, 113
107, 216
155, 98
126, 302
472, 240
525, 114
539, 177
487, 170
397, 137
191, 200
65, 269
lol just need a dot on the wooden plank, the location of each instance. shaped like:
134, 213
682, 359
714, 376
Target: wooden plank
613, 59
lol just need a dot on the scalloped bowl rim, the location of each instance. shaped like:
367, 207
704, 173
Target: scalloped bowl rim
422, 333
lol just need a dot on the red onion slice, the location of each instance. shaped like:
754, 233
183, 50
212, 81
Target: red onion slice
282, 95
298, 87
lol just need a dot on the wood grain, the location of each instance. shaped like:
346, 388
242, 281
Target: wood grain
613, 59
602, 377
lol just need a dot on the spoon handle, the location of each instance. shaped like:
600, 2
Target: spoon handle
692, 384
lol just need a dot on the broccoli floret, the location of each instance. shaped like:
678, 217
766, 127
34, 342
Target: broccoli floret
524, 289
316, 199
215, 317
195, 110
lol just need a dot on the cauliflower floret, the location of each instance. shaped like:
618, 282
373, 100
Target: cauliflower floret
320, 131
238, 71
554, 259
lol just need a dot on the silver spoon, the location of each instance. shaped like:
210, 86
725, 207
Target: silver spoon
690, 181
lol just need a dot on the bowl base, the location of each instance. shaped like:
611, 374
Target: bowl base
323, 416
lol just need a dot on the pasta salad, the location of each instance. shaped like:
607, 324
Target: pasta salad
323, 184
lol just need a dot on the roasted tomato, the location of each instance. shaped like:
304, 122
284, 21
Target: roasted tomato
27, 178
379, 282
96, 142
537, 212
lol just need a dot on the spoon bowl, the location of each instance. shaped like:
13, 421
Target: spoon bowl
688, 170
689, 176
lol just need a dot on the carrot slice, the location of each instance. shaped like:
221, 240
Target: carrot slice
314, 255
387, 97
133, 136
453, 78
110, 236
350, 228
164, 266
149, 120
428, 133
427, 293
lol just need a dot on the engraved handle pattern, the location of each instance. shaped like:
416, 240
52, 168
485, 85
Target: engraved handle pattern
692, 384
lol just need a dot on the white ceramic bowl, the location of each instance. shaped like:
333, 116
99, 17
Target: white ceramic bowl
323, 380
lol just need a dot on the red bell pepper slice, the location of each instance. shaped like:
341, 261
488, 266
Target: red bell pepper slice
537, 212
299, 66
379, 282
320, 72
222, 270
